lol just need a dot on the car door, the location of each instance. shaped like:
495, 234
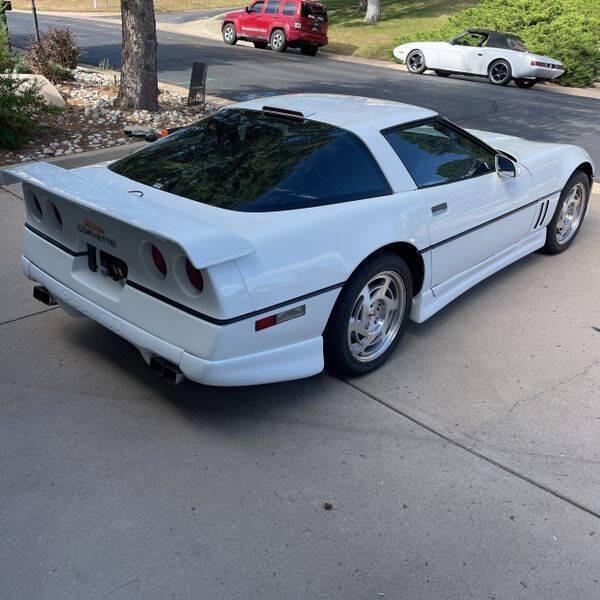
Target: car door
472, 214
251, 25
465, 54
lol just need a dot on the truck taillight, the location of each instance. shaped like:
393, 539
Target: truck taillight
159, 260
194, 275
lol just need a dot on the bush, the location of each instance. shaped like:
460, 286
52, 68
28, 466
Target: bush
54, 55
5, 55
20, 102
557, 28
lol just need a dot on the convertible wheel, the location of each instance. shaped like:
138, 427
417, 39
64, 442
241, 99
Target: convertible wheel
415, 62
369, 317
261, 45
499, 72
569, 214
278, 41
525, 83
229, 34
443, 73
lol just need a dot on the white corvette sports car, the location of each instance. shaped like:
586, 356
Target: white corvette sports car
501, 57
279, 235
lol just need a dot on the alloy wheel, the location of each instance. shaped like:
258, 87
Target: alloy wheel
376, 316
571, 214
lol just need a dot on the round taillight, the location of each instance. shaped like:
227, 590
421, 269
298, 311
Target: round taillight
57, 215
38, 207
194, 275
159, 260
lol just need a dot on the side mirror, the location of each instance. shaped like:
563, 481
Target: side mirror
247, 9
505, 167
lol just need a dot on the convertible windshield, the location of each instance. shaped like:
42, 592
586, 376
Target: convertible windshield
254, 161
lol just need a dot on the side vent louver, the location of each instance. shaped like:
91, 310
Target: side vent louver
542, 214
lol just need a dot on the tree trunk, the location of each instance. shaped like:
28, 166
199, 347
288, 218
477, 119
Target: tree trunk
139, 83
362, 6
373, 11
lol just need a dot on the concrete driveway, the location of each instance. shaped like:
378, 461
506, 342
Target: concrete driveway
467, 467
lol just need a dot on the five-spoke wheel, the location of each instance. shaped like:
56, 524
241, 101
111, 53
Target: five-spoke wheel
415, 62
229, 34
499, 72
569, 214
370, 315
278, 41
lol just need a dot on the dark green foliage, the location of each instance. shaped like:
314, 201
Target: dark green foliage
562, 29
20, 102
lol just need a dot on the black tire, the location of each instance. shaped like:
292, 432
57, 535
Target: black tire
415, 62
278, 41
525, 83
553, 245
338, 356
309, 50
229, 34
499, 72
443, 73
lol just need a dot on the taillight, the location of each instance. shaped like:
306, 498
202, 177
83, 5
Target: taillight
282, 317
57, 215
159, 260
194, 275
537, 63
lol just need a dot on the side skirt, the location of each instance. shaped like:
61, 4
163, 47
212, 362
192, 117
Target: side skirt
431, 301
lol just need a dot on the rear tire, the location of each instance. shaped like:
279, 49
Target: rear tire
261, 45
309, 50
369, 317
499, 72
229, 34
443, 73
569, 214
278, 41
415, 62
525, 83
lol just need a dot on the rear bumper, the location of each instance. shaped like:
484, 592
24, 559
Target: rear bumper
301, 38
286, 362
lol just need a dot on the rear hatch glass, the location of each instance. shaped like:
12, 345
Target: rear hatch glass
252, 161
315, 12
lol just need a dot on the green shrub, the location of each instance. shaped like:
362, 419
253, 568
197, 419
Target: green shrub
5, 54
20, 103
562, 29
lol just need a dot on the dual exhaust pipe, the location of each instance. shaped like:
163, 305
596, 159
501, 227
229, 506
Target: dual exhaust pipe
166, 370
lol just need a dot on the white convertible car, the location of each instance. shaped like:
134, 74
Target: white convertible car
284, 234
501, 57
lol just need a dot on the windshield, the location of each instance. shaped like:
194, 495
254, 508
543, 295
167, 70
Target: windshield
252, 161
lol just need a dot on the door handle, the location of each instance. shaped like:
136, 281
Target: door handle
479, 54
439, 209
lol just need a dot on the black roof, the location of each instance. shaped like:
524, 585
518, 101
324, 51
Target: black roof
497, 39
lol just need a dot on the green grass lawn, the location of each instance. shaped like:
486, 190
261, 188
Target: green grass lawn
348, 34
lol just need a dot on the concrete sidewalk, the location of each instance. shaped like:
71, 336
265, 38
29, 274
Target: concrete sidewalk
467, 467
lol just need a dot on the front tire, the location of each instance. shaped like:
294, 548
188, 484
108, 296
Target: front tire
369, 317
229, 34
415, 62
278, 41
525, 83
569, 214
499, 72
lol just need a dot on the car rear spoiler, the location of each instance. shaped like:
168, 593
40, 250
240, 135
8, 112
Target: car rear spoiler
205, 244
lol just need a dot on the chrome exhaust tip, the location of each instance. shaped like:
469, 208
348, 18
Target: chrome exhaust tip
43, 295
166, 370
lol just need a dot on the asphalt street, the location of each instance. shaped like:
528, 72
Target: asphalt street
242, 72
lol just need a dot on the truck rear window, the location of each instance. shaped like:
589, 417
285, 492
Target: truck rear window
252, 161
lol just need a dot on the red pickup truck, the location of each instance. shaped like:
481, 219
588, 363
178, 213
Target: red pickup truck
280, 24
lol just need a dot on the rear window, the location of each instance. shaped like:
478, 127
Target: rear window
517, 44
251, 161
314, 11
